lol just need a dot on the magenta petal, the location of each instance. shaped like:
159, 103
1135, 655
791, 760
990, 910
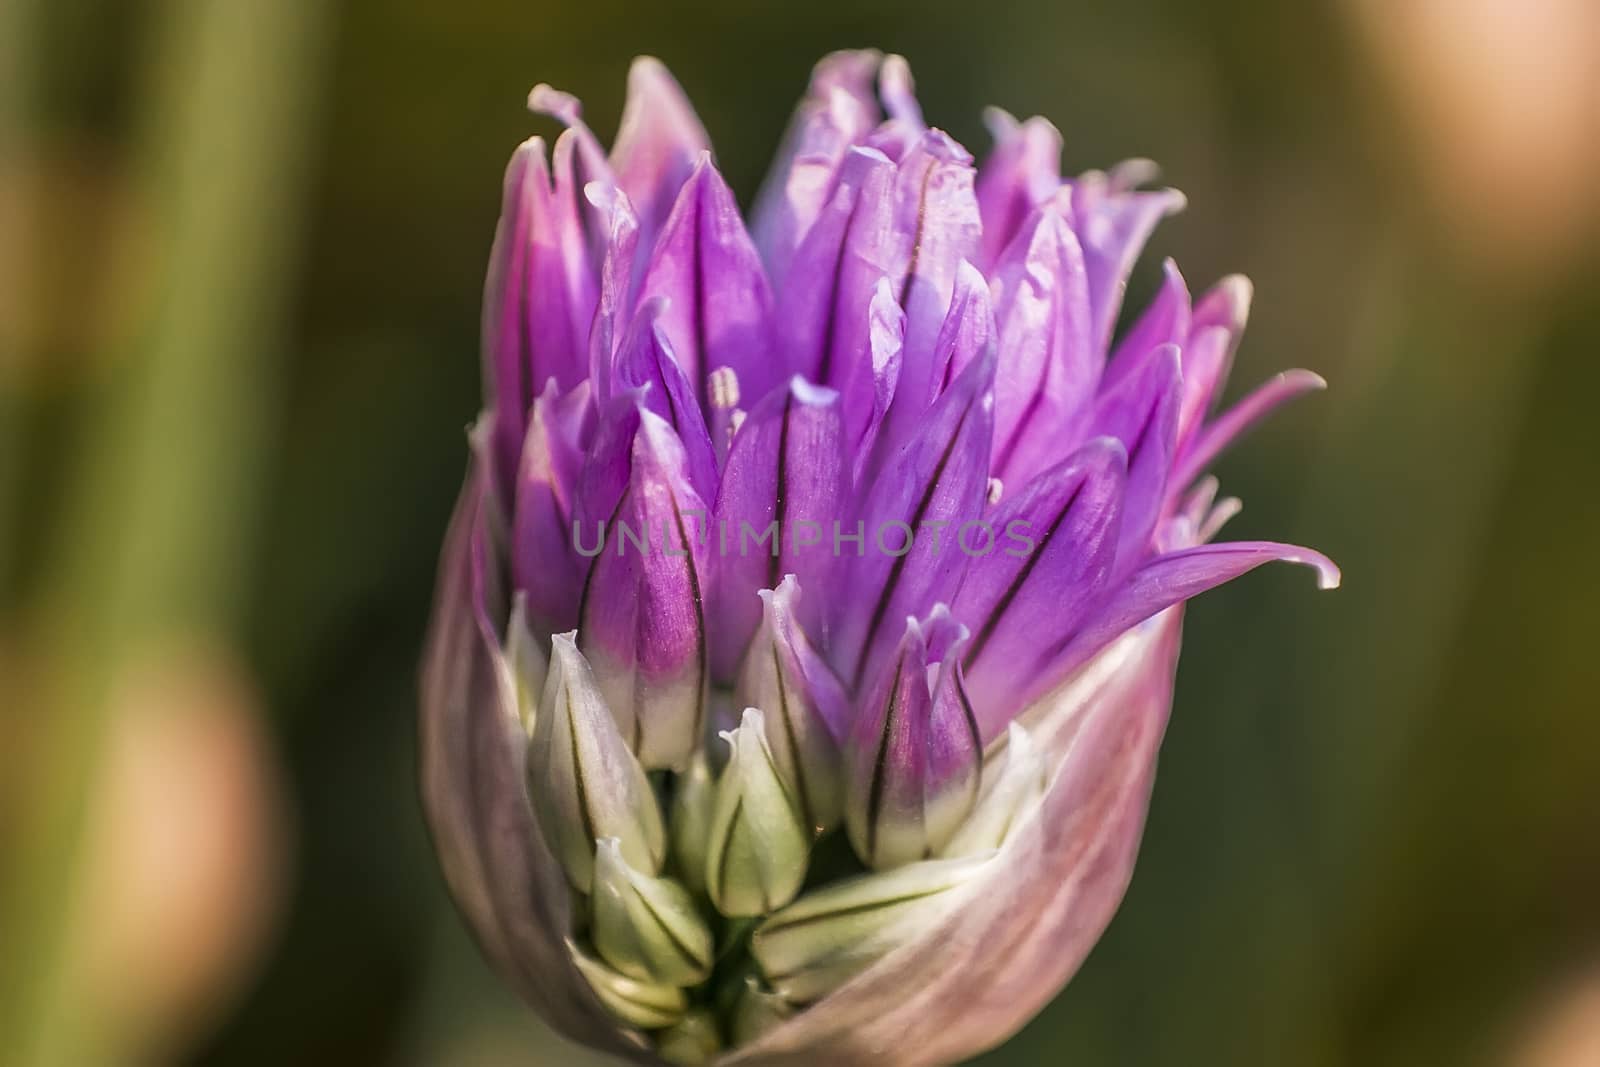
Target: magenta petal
1058, 541
1048, 367
472, 748
909, 555
784, 486
543, 563
1142, 412
1114, 226
1022, 173
936, 215
642, 624
1164, 322
645, 362
1210, 441
718, 308
659, 139
839, 109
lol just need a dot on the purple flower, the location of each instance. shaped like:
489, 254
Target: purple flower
859, 533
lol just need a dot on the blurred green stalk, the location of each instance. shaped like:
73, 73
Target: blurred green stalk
158, 519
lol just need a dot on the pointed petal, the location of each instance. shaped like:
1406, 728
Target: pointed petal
643, 618
1141, 411
1023, 171
824, 299
646, 927
543, 563
1060, 537
908, 556
1164, 322
719, 308
1048, 368
783, 488
645, 362
839, 109
1214, 334
659, 139
899, 91
614, 302
1113, 226
1210, 441
759, 843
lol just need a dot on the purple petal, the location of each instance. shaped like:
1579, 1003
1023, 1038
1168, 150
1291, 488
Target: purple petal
936, 216
1161, 583
642, 625
645, 362
543, 563
839, 109
1048, 368
719, 308
823, 303
1142, 412
1021, 928
616, 282
925, 495
1164, 322
471, 758
1214, 333
1113, 227
899, 91
659, 140
1059, 539
1022, 173
1210, 441
782, 490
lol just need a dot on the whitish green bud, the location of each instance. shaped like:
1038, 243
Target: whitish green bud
693, 798
784, 677
647, 928
647, 1005
691, 1040
584, 782
1015, 778
759, 842
825, 938
757, 1011
529, 664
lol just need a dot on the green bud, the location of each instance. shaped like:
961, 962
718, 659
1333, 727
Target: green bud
693, 798
825, 938
647, 1005
529, 664
645, 927
757, 1011
1015, 777
691, 1040
759, 841
584, 782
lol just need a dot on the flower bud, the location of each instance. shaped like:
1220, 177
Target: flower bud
759, 841
914, 759
802, 702
757, 1011
693, 797
647, 1005
645, 927
829, 936
1014, 779
583, 781
691, 1040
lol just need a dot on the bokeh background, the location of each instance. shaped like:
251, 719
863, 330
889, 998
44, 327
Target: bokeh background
241, 254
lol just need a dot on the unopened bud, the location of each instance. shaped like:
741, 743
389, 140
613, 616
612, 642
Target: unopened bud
829, 936
647, 1005
584, 782
690, 1041
529, 664
1015, 779
759, 842
647, 928
799, 696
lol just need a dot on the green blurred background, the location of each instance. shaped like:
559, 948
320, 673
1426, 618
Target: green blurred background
241, 251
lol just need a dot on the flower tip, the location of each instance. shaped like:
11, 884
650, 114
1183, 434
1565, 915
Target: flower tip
546, 99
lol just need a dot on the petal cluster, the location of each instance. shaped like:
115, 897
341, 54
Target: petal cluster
807, 627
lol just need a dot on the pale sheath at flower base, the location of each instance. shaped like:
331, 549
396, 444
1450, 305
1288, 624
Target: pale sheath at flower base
806, 629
